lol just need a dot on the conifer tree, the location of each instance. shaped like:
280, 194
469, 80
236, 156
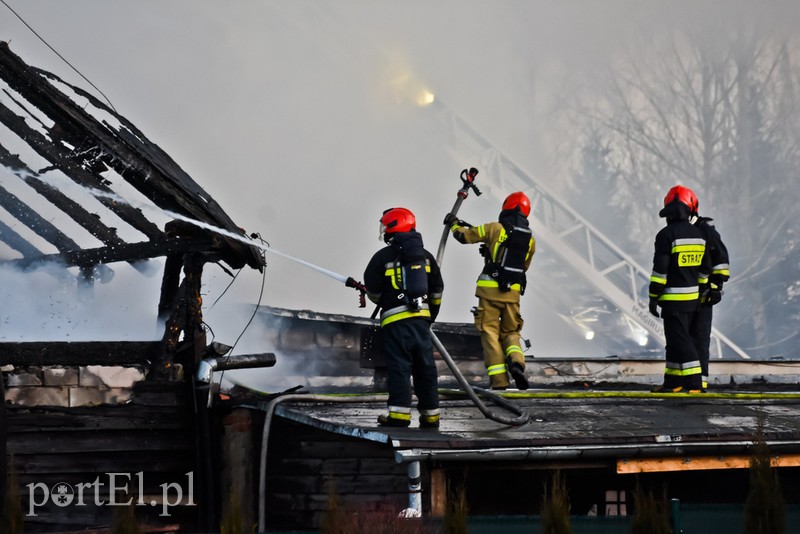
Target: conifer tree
765, 507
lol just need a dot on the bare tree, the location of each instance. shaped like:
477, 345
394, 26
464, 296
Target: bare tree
719, 115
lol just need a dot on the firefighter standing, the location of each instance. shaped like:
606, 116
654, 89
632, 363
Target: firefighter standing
680, 275
409, 304
507, 247
718, 254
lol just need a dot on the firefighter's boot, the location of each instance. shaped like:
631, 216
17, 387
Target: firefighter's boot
429, 418
398, 416
518, 374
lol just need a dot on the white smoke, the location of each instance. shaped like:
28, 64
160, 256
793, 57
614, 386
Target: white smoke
48, 304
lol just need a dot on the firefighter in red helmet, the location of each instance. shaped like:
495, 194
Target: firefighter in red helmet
680, 276
507, 247
404, 280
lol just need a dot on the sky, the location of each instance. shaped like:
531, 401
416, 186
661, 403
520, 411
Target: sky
300, 118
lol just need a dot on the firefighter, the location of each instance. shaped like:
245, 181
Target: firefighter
680, 275
718, 255
404, 280
507, 247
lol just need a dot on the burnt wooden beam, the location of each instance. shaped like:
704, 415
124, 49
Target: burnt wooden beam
77, 212
80, 215
129, 252
170, 283
78, 353
141, 163
63, 158
38, 224
17, 242
185, 317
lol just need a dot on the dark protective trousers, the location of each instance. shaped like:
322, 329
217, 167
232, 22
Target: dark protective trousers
408, 348
683, 362
701, 334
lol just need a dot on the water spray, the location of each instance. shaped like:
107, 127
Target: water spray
348, 281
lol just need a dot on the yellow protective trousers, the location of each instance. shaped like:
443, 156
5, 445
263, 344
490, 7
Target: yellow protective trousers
500, 325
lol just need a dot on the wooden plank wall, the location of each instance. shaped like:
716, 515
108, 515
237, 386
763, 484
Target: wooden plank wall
153, 435
304, 464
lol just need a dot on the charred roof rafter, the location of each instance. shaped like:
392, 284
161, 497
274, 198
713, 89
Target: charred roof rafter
83, 146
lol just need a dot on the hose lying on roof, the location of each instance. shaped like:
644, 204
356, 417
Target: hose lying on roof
473, 392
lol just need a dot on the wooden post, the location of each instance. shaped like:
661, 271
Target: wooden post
193, 325
169, 285
438, 492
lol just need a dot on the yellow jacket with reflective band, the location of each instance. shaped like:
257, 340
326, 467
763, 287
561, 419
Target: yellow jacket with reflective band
492, 234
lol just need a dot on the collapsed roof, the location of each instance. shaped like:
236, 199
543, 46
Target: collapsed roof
79, 161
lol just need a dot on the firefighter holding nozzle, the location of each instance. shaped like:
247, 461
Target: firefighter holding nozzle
404, 280
507, 247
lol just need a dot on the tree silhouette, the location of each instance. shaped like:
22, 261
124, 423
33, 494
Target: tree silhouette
720, 115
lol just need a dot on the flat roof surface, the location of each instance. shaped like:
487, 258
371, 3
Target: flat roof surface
573, 423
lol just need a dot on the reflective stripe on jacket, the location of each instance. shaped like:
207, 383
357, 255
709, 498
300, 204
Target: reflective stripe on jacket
717, 251
383, 288
680, 265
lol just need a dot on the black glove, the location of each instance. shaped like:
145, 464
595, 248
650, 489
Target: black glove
450, 220
713, 297
654, 307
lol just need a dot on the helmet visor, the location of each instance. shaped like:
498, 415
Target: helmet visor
381, 231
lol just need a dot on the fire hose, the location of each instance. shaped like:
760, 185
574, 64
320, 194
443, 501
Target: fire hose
474, 392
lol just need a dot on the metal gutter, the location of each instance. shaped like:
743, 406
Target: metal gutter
517, 454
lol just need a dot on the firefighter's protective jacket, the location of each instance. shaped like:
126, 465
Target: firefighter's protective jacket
493, 234
382, 279
680, 264
717, 252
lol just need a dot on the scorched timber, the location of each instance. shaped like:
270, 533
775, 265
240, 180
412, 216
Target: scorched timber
79, 352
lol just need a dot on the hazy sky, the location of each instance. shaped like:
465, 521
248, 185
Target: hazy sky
298, 116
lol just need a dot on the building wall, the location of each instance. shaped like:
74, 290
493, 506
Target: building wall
64, 386
307, 467
145, 444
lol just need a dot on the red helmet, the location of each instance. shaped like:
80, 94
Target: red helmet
518, 200
396, 220
683, 195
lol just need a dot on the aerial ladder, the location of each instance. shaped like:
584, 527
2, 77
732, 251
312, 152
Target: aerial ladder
610, 271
